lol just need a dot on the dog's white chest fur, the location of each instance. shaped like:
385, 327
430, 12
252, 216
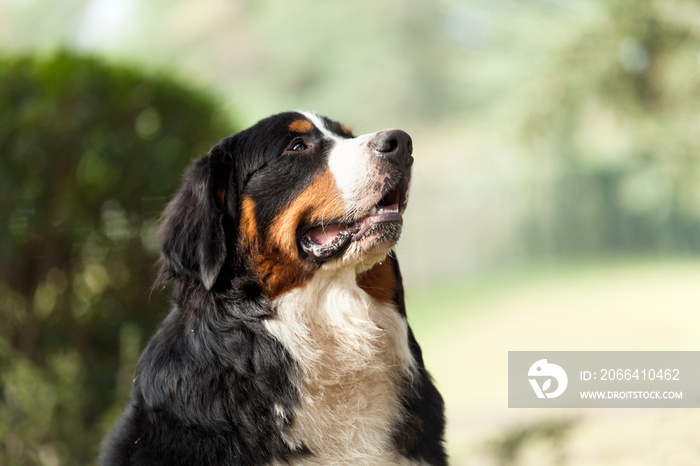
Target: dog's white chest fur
353, 353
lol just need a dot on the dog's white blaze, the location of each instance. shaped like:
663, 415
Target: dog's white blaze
350, 162
318, 123
353, 354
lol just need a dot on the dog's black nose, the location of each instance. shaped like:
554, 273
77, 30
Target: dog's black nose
394, 145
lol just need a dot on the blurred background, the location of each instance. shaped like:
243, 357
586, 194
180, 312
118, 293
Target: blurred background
555, 204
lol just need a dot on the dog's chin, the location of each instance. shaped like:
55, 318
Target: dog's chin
359, 262
372, 248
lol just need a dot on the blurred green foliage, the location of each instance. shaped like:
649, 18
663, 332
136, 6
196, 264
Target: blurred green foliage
611, 125
90, 153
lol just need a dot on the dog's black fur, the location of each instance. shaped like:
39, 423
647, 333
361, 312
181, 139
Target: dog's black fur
206, 384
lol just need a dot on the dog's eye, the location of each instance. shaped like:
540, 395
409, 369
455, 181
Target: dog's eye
297, 146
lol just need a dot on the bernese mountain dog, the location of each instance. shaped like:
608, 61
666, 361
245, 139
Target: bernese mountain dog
288, 341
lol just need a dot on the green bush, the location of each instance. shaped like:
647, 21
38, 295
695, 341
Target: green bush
89, 154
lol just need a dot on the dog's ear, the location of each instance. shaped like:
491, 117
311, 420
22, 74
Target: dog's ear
192, 234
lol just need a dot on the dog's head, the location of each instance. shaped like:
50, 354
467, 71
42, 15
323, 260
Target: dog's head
293, 194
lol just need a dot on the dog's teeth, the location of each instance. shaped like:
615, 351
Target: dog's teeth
373, 211
386, 211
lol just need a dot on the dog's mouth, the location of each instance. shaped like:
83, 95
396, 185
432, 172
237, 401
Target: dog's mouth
330, 239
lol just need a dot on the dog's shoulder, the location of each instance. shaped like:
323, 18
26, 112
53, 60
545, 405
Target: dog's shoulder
204, 393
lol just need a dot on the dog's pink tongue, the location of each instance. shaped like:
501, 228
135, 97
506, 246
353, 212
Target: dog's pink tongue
324, 236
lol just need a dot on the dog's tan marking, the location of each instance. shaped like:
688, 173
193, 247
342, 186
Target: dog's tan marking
301, 126
249, 225
320, 202
221, 194
379, 282
275, 252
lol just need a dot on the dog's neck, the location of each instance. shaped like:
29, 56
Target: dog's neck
352, 352
332, 317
